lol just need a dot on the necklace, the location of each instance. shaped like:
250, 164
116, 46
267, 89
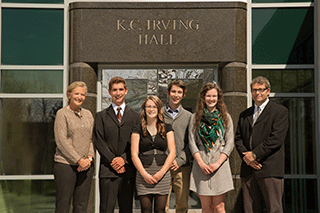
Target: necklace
75, 112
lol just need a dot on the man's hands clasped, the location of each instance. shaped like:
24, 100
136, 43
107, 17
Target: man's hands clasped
118, 164
251, 160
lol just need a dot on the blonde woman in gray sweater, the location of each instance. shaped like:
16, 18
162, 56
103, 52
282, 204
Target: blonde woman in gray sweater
73, 169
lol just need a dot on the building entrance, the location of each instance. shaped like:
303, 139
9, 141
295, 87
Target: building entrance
154, 81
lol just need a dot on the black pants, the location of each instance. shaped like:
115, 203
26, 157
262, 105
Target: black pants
113, 189
72, 184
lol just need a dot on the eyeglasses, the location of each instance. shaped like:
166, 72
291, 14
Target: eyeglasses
258, 90
151, 107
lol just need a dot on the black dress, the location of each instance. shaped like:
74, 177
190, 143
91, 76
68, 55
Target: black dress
152, 153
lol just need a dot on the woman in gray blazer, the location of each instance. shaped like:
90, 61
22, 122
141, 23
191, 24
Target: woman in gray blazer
211, 141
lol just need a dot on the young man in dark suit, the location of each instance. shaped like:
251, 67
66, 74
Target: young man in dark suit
259, 140
112, 135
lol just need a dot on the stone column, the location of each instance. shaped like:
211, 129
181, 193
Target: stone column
80, 71
233, 81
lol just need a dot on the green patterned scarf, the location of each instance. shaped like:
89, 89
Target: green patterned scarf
210, 128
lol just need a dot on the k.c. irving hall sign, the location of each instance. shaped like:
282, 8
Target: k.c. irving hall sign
157, 32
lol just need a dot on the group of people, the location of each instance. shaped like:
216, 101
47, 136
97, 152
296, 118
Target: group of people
151, 153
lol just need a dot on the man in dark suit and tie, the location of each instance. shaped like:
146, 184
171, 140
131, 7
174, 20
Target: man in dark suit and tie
112, 135
259, 140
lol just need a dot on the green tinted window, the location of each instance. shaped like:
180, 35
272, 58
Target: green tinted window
32, 37
288, 81
300, 156
33, 81
26, 135
34, 1
282, 36
300, 195
27, 196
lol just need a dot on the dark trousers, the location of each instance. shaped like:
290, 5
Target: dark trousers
113, 189
72, 184
257, 191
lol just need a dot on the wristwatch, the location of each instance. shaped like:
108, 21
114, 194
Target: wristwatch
254, 155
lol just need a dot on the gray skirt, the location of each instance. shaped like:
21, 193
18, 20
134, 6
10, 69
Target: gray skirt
162, 187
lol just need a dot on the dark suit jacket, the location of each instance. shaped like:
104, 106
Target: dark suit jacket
113, 140
268, 135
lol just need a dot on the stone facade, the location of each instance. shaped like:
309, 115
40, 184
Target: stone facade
162, 34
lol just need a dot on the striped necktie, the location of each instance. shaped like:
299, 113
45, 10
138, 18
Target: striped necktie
254, 120
119, 114
256, 116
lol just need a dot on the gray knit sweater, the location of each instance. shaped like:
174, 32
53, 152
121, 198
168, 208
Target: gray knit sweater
180, 126
73, 135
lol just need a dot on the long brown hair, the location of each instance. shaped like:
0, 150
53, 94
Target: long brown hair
221, 106
161, 127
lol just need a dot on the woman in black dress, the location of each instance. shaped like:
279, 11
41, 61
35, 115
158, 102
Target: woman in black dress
152, 152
